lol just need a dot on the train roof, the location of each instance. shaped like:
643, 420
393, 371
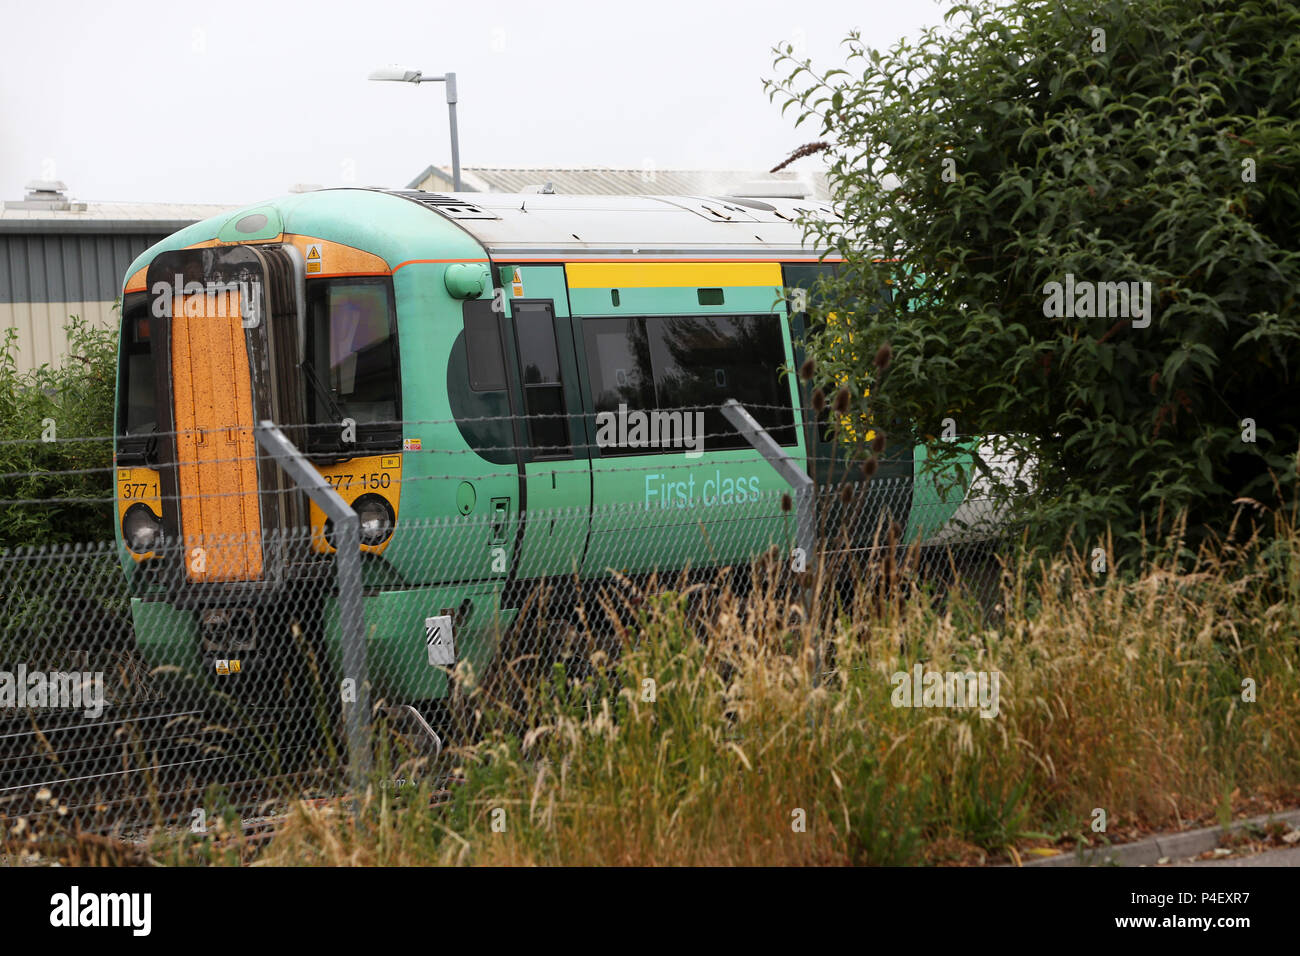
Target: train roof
541, 226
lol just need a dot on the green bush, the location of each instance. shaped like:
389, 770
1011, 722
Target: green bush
72, 403
1120, 141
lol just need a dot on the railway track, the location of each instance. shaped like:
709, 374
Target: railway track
139, 764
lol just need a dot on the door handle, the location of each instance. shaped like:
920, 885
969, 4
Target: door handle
500, 517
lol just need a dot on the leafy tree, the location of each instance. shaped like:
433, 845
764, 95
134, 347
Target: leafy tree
73, 405
1147, 141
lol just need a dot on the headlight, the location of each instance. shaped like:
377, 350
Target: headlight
377, 519
141, 528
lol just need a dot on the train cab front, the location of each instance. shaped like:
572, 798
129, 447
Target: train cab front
227, 558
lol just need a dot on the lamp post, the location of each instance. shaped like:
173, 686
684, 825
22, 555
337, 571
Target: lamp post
392, 74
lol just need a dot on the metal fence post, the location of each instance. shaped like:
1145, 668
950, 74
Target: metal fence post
347, 532
800, 483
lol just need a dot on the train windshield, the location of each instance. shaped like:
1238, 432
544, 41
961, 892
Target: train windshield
137, 367
136, 417
351, 367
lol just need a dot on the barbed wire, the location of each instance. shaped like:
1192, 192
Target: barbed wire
608, 452
387, 423
404, 481
360, 449
581, 457
767, 505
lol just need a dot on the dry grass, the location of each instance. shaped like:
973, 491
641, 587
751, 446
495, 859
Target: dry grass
718, 739
1124, 694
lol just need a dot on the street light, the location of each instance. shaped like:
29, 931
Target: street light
395, 75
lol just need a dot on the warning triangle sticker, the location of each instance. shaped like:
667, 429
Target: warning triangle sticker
313, 252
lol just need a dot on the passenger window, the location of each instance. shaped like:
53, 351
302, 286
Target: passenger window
535, 327
476, 385
701, 361
692, 363
487, 367
618, 360
548, 426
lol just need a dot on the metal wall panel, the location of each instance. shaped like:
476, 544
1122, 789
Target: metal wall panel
66, 268
46, 278
40, 325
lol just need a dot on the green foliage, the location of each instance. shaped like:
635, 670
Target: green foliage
77, 397
1028, 146
886, 822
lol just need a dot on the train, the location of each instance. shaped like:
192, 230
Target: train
473, 374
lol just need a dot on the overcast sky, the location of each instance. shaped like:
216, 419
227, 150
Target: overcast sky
237, 101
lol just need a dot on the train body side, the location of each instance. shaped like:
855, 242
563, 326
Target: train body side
483, 473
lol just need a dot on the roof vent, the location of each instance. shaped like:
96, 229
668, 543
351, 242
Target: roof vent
749, 203
774, 189
47, 194
450, 206
715, 210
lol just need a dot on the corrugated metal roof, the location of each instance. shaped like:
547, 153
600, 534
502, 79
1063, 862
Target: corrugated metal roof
106, 217
603, 181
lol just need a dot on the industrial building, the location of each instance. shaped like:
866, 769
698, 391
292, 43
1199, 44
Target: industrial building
60, 257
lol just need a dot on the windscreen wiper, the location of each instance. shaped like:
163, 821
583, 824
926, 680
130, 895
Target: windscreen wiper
322, 392
151, 448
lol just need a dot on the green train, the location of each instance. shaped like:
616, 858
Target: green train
474, 374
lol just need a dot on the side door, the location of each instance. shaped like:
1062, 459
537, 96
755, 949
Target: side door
663, 345
551, 431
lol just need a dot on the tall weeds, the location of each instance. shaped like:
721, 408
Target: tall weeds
754, 734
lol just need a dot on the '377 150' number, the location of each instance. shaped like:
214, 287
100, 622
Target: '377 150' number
376, 479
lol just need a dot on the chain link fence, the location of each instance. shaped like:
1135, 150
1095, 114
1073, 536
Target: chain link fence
152, 691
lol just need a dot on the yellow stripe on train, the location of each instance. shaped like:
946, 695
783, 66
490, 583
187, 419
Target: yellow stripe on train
645, 275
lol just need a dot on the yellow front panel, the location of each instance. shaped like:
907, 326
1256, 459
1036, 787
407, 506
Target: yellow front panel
135, 485
372, 474
215, 449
